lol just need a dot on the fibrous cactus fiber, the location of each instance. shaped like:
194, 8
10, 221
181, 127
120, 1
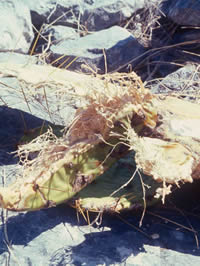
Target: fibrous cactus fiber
119, 116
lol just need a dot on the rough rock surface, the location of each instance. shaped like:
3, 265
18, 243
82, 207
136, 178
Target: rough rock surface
16, 94
103, 14
52, 35
16, 28
92, 15
61, 33
177, 38
182, 12
185, 80
103, 51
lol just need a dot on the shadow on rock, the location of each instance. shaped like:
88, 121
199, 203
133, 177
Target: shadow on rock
13, 124
24, 227
100, 248
123, 242
113, 242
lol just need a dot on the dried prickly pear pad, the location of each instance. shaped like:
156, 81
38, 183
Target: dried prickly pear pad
58, 172
46, 187
171, 155
120, 115
65, 165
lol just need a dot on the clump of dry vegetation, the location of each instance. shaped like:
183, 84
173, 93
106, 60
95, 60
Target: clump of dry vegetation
118, 115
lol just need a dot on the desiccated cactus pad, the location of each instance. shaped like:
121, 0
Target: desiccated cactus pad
119, 110
60, 179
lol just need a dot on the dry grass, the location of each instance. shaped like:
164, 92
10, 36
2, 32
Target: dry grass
144, 22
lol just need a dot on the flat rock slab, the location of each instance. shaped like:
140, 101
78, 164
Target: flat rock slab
103, 51
41, 99
60, 33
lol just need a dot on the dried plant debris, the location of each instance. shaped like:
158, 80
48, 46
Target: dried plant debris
119, 116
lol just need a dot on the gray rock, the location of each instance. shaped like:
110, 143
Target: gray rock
58, 239
60, 33
184, 80
104, 14
18, 58
119, 45
182, 12
16, 28
54, 35
13, 124
58, 12
55, 108
91, 15
47, 107
177, 38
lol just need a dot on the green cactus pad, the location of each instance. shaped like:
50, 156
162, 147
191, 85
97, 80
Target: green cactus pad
131, 189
